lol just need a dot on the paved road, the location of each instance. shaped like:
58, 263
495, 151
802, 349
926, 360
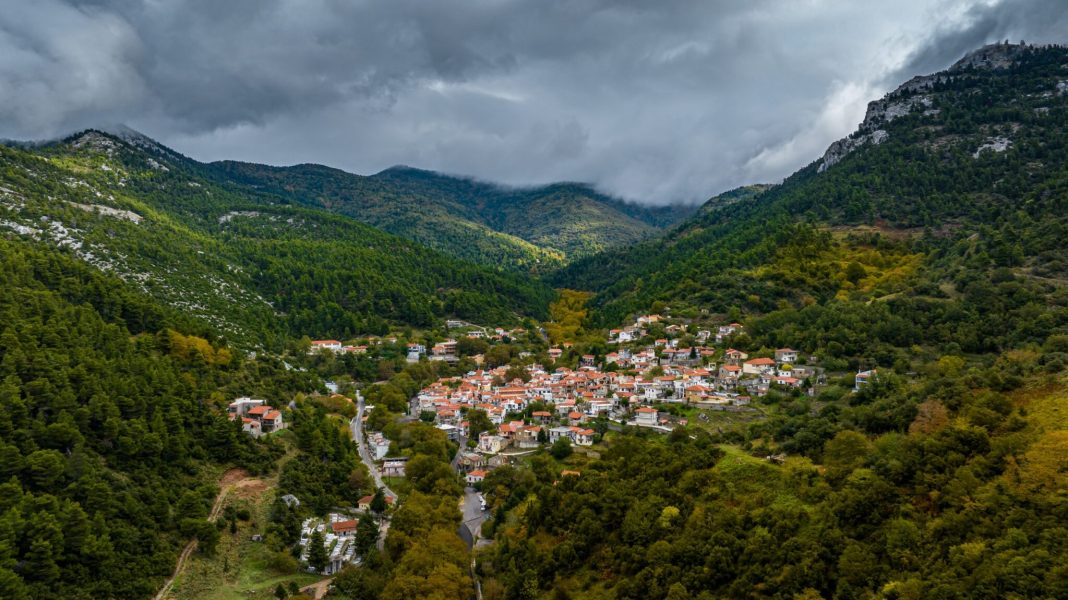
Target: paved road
356, 424
473, 517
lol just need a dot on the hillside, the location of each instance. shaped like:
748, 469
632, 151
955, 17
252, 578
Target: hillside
241, 261
531, 229
113, 429
964, 169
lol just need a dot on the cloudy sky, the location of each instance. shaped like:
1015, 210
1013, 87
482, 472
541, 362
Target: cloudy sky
655, 101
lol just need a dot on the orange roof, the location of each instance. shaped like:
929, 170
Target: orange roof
259, 410
646, 410
477, 473
343, 526
271, 416
760, 361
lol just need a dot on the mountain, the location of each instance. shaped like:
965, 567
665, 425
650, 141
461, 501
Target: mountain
531, 228
917, 276
951, 179
242, 261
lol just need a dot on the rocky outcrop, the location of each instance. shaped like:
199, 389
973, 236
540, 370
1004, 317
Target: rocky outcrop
991, 56
844, 146
997, 144
912, 95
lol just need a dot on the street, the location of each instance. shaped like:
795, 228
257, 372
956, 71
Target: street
356, 424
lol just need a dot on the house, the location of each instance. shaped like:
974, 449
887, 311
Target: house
758, 366
469, 461
324, 345
415, 351
559, 432
240, 406
864, 378
555, 353
452, 432
476, 476
785, 355
272, 421
444, 351
378, 444
583, 437
792, 382
257, 418
491, 444
344, 529
645, 416
734, 357
541, 416
394, 467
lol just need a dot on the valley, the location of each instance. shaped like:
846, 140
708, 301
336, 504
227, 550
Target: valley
229, 380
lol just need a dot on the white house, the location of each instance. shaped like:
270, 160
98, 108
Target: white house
786, 355
325, 345
864, 378
645, 416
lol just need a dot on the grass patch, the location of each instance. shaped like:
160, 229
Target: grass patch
241, 568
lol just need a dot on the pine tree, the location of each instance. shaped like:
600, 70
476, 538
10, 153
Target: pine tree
366, 534
317, 555
378, 502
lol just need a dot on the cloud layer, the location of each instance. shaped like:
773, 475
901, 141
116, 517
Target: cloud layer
661, 101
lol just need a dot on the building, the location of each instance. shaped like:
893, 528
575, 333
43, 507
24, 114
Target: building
476, 476
490, 444
241, 406
344, 529
394, 467
646, 416
257, 417
378, 445
325, 345
786, 355
864, 378
758, 366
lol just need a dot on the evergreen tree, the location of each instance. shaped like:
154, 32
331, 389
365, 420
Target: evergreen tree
318, 556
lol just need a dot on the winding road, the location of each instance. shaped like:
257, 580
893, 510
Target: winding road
356, 425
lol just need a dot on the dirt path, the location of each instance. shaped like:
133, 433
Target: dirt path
318, 589
232, 479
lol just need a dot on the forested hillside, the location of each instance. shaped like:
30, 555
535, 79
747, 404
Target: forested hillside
113, 429
928, 246
967, 169
529, 229
255, 269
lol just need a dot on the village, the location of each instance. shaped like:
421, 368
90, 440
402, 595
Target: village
499, 414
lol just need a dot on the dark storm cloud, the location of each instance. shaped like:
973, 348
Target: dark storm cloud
655, 101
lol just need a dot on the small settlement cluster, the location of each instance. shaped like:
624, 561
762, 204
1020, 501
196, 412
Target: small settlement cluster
624, 386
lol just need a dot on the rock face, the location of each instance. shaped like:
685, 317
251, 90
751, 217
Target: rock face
910, 96
844, 146
991, 56
998, 144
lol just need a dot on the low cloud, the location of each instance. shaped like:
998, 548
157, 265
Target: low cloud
655, 102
